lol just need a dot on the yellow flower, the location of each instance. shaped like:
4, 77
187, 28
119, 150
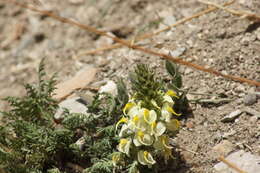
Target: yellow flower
167, 110
123, 131
145, 158
116, 159
149, 116
173, 125
122, 120
168, 99
167, 154
124, 145
155, 104
128, 106
157, 129
142, 138
136, 123
171, 93
162, 143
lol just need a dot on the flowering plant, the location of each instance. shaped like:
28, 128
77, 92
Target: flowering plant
148, 120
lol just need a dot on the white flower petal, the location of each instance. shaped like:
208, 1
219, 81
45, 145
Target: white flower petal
123, 131
124, 145
153, 116
136, 142
166, 116
140, 157
160, 129
133, 111
145, 158
168, 99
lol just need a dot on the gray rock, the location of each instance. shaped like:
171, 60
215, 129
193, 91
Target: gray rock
178, 52
252, 112
250, 99
232, 116
243, 160
74, 105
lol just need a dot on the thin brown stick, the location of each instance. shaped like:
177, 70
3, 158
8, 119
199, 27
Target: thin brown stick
77, 89
246, 14
126, 43
231, 165
149, 35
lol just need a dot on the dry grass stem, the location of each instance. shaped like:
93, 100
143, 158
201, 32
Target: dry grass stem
140, 48
19, 29
244, 14
149, 35
77, 90
231, 165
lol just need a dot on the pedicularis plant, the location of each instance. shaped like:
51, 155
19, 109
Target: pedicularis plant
149, 120
115, 135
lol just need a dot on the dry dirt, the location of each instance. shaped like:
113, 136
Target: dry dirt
219, 40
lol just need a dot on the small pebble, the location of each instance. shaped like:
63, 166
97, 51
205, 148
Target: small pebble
252, 112
231, 117
250, 99
178, 52
189, 125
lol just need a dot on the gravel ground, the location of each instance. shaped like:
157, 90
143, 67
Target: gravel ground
227, 43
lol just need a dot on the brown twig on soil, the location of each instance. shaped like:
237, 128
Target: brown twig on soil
212, 101
77, 89
140, 48
231, 165
19, 29
149, 35
244, 14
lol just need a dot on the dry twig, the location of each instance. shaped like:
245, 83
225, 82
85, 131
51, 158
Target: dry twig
149, 35
244, 14
19, 29
231, 165
76, 90
140, 48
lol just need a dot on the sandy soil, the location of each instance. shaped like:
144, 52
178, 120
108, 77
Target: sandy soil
219, 40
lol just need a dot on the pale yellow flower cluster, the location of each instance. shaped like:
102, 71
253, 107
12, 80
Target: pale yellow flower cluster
142, 127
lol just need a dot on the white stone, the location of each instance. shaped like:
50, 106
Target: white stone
243, 160
232, 116
110, 88
73, 105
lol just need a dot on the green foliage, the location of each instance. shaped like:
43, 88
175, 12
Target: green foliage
104, 166
37, 102
30, 141
181, 104
173, 70
145, 86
